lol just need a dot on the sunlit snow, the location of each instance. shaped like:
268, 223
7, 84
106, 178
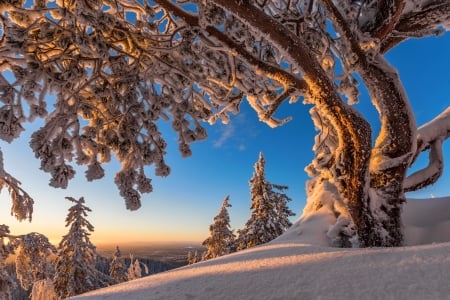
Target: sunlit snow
298, 265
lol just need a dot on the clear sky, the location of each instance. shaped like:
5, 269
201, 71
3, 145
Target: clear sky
183, 205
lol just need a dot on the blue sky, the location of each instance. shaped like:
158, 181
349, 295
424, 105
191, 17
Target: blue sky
183, 205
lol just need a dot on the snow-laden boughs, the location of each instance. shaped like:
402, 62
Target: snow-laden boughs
222, 239
117, 69
75, 271
269, 211
22, 203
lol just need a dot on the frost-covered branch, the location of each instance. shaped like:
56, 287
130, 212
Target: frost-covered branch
421, 18
32, 258
388, 13
289, 81
22, 203
116, 77
430, 136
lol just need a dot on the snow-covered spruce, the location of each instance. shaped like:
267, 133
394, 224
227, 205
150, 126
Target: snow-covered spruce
135, 270
117, 268
269, 210
222, 239
75, 271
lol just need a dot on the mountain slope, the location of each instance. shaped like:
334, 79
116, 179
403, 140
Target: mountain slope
292, 268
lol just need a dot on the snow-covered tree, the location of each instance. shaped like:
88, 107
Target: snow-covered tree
269, 211
190, 258
222, 239
33, 264
282, 210
194, 257
118, 67
117, 268
75, 262
135, 270
33, 254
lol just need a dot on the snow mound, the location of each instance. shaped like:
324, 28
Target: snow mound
292, 267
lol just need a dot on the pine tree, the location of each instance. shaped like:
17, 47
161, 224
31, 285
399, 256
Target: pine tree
222, 239
75, 264
269, 217
117, 269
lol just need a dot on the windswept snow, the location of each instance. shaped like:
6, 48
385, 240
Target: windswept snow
297, 265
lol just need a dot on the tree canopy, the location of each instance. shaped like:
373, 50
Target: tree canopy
116, 68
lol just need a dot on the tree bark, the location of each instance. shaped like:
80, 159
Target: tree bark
395, 144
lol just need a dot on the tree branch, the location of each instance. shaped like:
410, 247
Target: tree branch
353, 131
423, 22
395, 9
430, 136
273, 72
431, 173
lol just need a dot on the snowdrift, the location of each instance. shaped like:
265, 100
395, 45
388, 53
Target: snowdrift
298, 266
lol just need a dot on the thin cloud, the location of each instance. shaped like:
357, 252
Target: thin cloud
242, 147
226, 134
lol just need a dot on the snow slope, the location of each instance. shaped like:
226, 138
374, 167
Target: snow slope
298, 266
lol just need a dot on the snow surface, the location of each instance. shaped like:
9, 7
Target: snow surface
298, 265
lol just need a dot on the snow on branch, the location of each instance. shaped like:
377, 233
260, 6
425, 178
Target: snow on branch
289, 81
115, 78
22, 203
430, 136
419, 19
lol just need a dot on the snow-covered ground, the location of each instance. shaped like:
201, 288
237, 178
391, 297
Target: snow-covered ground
298, 265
